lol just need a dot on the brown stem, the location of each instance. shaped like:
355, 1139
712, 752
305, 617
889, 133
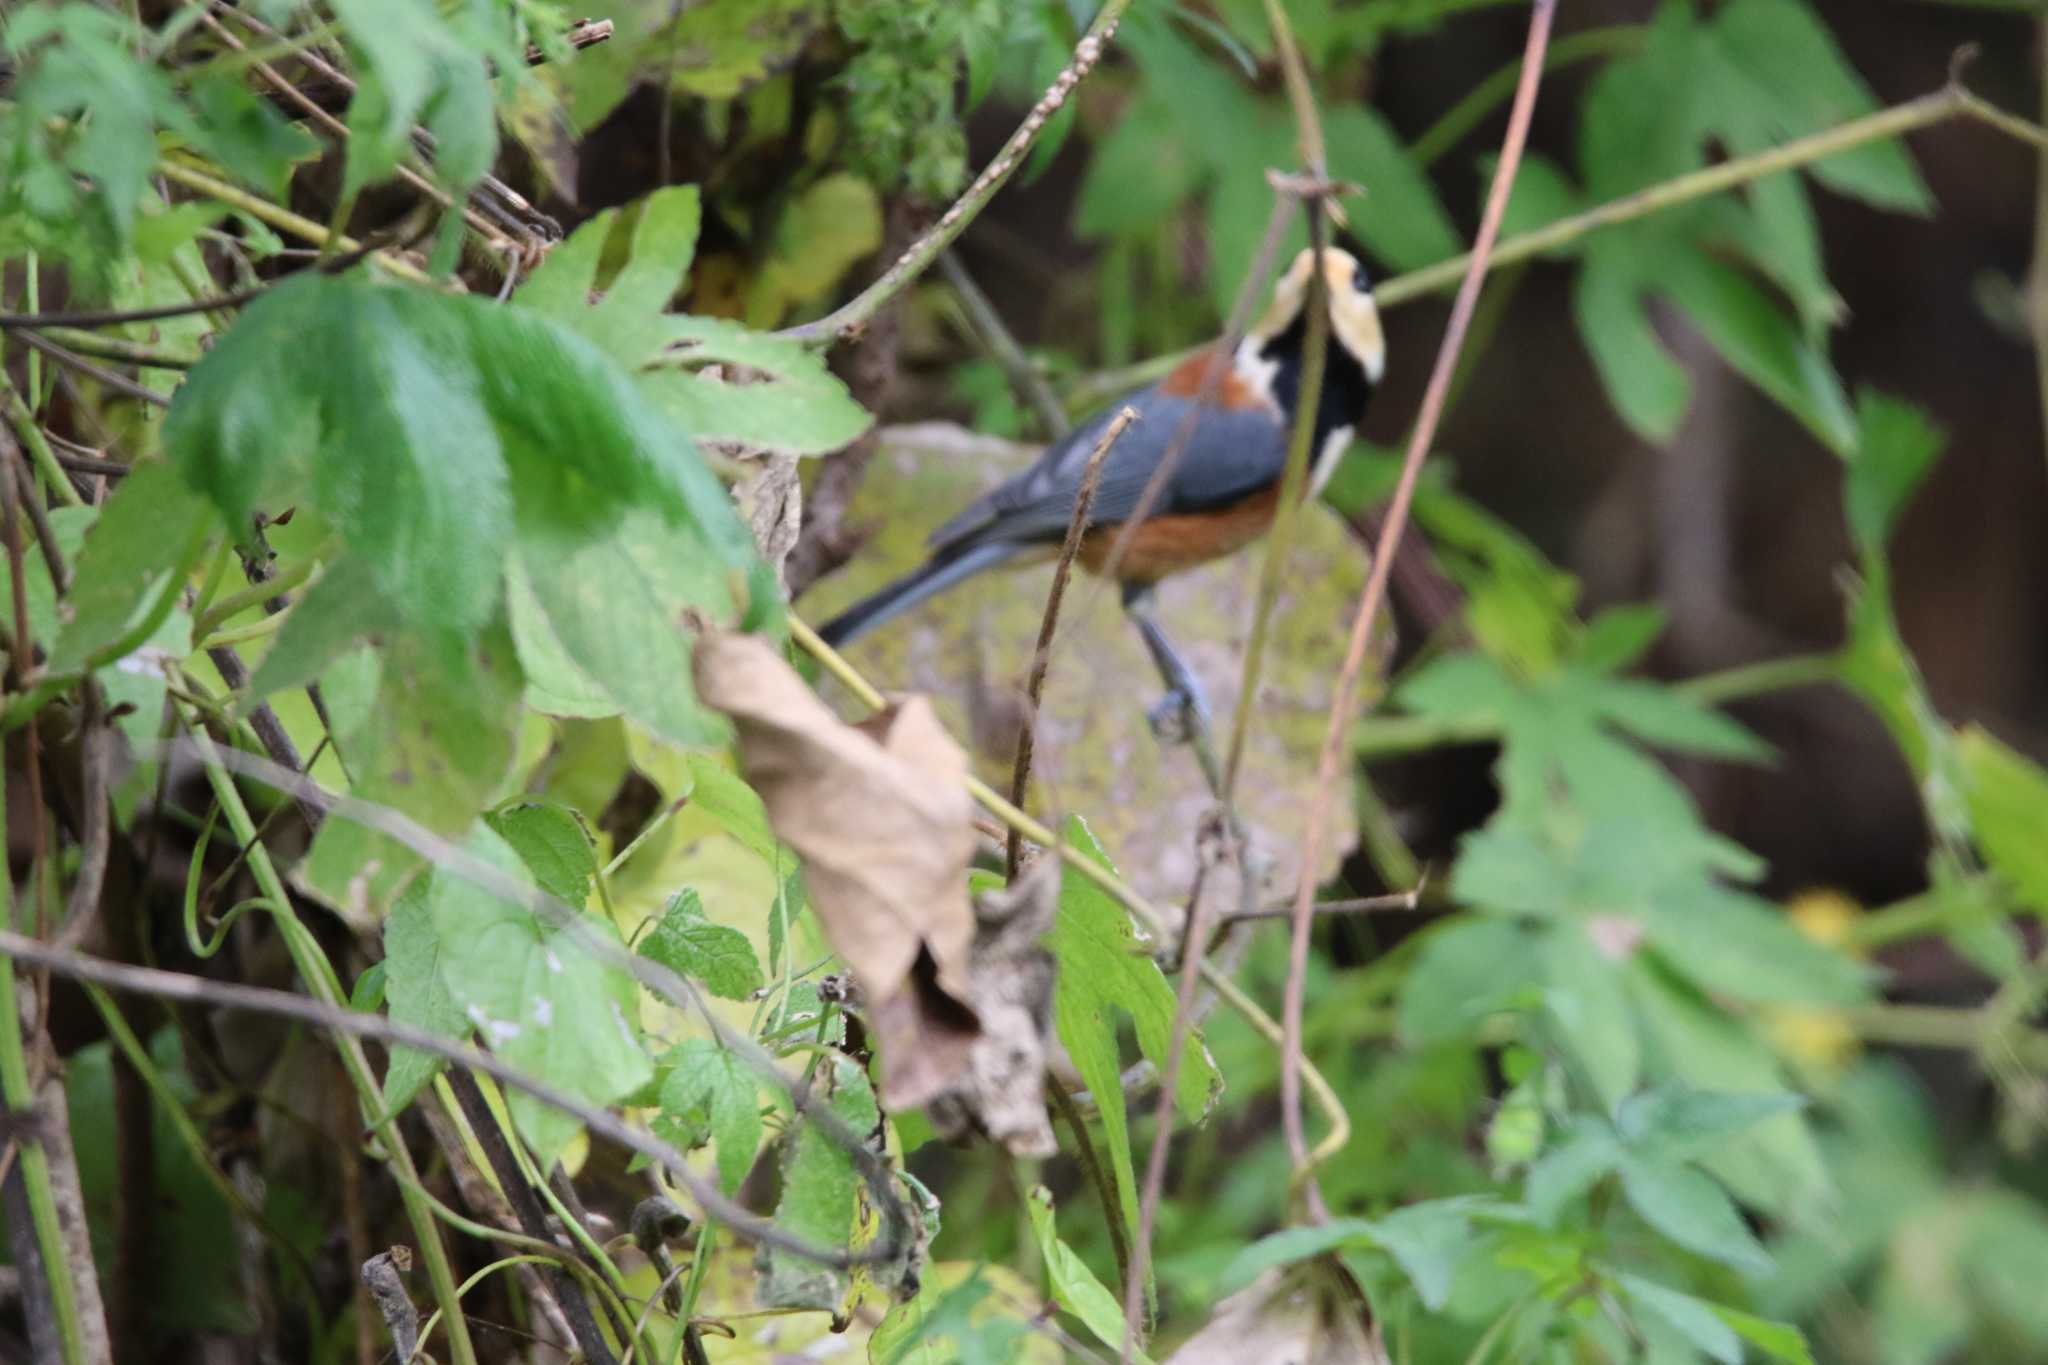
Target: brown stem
1041, 657
1376, 585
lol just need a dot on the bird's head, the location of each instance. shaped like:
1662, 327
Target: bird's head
1354, 318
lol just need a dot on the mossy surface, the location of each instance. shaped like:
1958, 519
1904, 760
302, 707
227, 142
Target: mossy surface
1096, 754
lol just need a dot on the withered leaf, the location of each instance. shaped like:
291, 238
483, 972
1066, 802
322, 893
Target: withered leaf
879, 815
1311, 1313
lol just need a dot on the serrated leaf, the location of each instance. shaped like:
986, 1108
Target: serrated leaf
553, 846
1688, 1207
538, 997
247, 135
1666, 719
424, 428
1402, 220
723, 795
820, 1194
789, 401
1586, 1001
1694, 1319
1074, 1286
708, 1083
1429, 1241
1779, 1340
1466, 971
1896, 447
719, 957
1136, 175
341, 610
2008, 802
1103, 973
1739, 947
416, 991
1680, 1123
1290, 1246
1569, 1169
1619, 636
1648, 388
125, 577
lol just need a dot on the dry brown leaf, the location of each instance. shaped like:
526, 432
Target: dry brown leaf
879, 815
771, 501
1313, 1313
1002, 1092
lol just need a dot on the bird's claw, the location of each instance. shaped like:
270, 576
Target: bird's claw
1178, 717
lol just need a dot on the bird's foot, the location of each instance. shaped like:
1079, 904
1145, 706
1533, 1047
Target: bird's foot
1179, 717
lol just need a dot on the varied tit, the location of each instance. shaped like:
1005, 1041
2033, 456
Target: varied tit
1220, 496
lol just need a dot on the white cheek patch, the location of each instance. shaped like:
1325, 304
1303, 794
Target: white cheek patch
1255, 369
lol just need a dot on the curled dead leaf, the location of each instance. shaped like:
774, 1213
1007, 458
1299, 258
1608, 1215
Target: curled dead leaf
1002, 1091
1310, 1313
879, 815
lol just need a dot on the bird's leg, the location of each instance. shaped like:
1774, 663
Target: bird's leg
1182, 715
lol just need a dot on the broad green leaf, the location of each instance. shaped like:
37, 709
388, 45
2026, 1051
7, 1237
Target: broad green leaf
248, 136
1103, 972
69, 525
723, 795
1542, 194
1401, 220
2004, 1240
1587, 1002
1429, 1241
1460, 687
1468, 969
1074, 1286
963, 1315
556, 685
1778, 1340
717, 48
718, 957
789, 402
1569, 1169
1678, 1123
340, 611
1742, 948
425, 428
1137, 175
553, 846
424, 66
822, 233
416, 991
621, 608
538, 996
1649, 389
1755, 337
1290, 1246
709, 1083
1619, 636
1895, 449
1665, 719
2008, 800
1687, 1206
1694, 1319
820, 1198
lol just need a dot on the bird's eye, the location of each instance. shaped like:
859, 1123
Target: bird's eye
1361, 281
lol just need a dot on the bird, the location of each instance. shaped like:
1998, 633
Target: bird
1220, 496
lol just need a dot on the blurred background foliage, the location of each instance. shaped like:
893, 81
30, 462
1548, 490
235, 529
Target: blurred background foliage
1713, 1020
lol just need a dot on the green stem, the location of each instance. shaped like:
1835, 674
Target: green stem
318, 975
100, 346
1469, 112
19, 1093
30, 435
255, 595
283, 219
1938, 1026
914, 262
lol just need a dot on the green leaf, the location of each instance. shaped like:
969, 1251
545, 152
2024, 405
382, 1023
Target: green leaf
1585, 999
538, 997
1666, 719
1074, 1286
341, 610
717, 48
1570, 1168
821, 234
1688, 1207
1402, 221
1103, 972
1430, 1241
820, 1198
1678, 1123
248, 136
552, 844
621, 609
126, 577
1895, 449
1290, 1246
416, 991
1543, 193
1778, 1340
425, 428
720, 793
2008, 801
708, 1083
1755, 337
69, 525
790, 403
1468, 969
1694, 1319
423, 67
1137, 175
687, 943
1648, 388
1619, 636
1745, 949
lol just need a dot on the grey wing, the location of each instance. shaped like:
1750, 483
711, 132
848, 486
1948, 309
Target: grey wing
1229, 454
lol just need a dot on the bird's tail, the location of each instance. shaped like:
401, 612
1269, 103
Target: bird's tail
905, 593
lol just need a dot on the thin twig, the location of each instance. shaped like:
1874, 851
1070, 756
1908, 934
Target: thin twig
1375, 590
2037, 284
117, 316
120, 383
118, 349
1003, 348
283, 219
1041, 656
843, 321
1400, 900
198, 990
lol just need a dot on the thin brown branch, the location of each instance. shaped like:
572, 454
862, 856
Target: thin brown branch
1041, 656
178, 986
844, 321
120, 383
1400, 900
118, 316
1376, 584
1002, 348
583, 33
